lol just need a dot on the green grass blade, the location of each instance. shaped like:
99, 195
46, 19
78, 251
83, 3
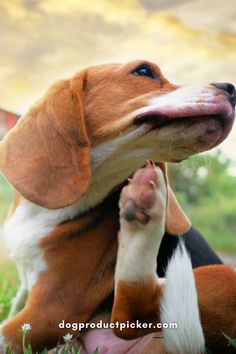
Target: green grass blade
9, 350
232, 341
76, 350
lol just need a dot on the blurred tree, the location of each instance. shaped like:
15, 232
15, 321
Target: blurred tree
203, 176
206, 188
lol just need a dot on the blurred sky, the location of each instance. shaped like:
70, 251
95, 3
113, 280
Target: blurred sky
43, 41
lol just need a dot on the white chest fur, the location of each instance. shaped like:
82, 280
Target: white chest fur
22, 233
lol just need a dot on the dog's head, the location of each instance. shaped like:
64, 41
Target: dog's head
90, 132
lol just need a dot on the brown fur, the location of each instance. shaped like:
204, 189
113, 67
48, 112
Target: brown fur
136, 301
216, 289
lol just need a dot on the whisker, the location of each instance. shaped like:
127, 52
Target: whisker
171, 143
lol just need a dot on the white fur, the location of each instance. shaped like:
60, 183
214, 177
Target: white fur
187, 101
190, 101
3, 344
180, 305
23, 231
139, 245
137, 260
161, 281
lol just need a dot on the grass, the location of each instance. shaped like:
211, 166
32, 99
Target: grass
231, 341
5, 198
8, 286
69, 347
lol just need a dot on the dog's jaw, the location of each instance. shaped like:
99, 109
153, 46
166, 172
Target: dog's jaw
200, 117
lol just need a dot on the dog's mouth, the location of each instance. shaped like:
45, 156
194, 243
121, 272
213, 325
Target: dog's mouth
158, 121
210, 128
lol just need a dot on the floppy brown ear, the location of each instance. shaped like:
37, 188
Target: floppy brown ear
177, 222
46, 156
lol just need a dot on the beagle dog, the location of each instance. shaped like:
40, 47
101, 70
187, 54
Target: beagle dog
67, 160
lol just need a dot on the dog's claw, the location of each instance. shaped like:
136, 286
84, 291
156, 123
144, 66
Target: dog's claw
152, 184
150, 164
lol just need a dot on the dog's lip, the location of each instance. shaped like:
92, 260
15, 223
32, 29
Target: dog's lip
158, 120
221, 108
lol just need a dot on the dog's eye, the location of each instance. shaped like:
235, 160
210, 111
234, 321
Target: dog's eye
144, 70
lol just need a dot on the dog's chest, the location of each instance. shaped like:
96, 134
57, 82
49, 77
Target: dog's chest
23, 232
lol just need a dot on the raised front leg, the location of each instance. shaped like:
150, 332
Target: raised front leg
142, 226
139, 293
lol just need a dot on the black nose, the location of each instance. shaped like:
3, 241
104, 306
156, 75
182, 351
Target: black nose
229, 89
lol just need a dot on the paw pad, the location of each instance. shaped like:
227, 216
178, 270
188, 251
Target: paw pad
139, 196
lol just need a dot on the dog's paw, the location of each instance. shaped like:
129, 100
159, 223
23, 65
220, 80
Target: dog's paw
144, 198
142, 224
